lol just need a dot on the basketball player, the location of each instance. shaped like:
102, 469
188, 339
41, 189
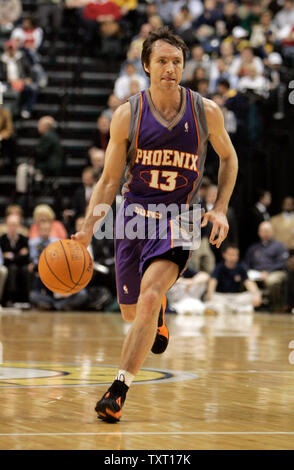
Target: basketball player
161, 134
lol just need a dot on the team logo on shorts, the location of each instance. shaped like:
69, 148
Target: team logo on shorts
125, 289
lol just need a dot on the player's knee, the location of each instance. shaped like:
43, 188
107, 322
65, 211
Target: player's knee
151, 295
128, 312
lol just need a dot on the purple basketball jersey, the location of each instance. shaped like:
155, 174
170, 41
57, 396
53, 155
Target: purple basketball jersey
166, 160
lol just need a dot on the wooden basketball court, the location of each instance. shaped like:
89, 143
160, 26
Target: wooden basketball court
224, 383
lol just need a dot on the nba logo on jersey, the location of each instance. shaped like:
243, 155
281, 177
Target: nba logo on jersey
186, 126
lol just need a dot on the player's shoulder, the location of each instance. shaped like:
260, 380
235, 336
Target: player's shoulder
120, 122
213, 114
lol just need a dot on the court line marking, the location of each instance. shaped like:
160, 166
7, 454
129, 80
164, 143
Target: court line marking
151, 433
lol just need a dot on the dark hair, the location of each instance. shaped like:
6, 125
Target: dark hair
261, 193
224, 82
229, 245
161, 34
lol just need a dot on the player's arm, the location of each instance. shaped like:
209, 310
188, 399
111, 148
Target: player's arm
106, 188
227, 174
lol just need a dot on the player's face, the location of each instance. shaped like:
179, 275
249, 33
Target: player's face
165, 65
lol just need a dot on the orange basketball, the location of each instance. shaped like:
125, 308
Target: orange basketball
65, 266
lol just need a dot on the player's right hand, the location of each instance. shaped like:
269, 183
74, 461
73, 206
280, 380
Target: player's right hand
83, 238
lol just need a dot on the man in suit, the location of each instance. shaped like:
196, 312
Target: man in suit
266, 263
49, 153
259, 213
15, 251
283, 223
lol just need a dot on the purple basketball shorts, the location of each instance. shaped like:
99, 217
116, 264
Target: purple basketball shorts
138, 239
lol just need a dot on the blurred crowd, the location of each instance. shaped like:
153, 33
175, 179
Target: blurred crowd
242, 57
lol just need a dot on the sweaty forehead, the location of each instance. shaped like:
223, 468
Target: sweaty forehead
164, 49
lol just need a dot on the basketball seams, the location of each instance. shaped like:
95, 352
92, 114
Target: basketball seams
68, 265
52, 272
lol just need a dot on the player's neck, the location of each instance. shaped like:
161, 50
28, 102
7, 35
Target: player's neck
164, 100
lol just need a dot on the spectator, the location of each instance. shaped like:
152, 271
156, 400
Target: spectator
82, 195
28, 35
224, 286
230, 16
16, 73
229, 117
49, 153
210, 15
246, 57
134, 56
195, 7
253, 16
238, 103
94, 14
285, 17
122, 84
3, 276
112, 40
140, 38
10, 12
14, 209
155, 22
272, 70
101, 10
40, 296
182, 25
253, 81
259, 213
15, 251
264, 31
198, 60
44, 212
203, 258
239, 38
165, 10
97, 161
227, 52
203, 87
198, 74
266, 263
101, 135
7, 144
219, 71
185, 295
50, 17
283, 223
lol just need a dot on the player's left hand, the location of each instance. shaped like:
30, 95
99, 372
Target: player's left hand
220, 226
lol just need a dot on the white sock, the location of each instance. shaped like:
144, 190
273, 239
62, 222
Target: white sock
125, 376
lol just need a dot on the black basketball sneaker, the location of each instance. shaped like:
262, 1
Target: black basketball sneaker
109, 408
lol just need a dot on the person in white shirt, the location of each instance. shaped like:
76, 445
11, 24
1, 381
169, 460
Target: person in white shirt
285, 17
254, 82
195, 7
122, 86
245, 58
